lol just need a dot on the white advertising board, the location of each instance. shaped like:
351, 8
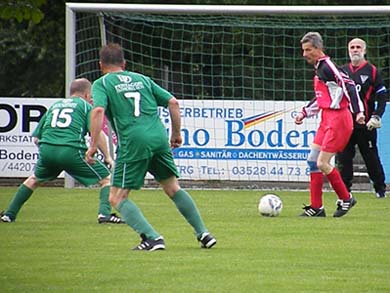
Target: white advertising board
222, 140
18, 119
243, 140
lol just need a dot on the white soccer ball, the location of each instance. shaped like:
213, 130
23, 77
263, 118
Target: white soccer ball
270, 205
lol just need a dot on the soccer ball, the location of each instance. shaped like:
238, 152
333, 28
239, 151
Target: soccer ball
270, 205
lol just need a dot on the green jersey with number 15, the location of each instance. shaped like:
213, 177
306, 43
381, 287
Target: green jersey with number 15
65, 123
131, 102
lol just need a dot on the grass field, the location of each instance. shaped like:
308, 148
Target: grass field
57, 245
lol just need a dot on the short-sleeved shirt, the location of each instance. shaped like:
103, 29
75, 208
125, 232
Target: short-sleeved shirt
61, 133
131, 102
65, 123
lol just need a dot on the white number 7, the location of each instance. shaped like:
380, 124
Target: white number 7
137, 98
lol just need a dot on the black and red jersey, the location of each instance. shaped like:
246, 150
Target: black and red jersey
370, 86
333, 89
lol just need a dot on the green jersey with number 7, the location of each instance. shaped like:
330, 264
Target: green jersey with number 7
134, 98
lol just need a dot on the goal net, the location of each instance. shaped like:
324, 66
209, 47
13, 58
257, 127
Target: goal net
238, 73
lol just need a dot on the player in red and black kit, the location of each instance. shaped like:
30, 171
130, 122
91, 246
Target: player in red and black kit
335, 96
373, 93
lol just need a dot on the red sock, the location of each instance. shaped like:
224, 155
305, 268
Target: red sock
316, 183
338, 185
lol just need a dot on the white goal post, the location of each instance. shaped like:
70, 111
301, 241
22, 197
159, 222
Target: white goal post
238, 70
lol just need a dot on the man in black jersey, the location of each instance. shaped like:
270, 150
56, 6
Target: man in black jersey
373, 94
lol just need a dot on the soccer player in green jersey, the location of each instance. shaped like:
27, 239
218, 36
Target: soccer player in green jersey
130, 102
60, 136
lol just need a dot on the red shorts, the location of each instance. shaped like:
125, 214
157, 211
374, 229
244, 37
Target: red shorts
335, 130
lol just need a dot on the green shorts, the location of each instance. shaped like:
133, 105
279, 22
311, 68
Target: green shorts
54, 159
131, 175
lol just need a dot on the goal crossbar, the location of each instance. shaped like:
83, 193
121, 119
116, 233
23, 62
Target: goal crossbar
227, 9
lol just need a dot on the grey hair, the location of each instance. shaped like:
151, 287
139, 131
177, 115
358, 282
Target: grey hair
313, 38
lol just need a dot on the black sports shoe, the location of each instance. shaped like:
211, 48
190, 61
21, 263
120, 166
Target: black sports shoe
207, 240
113, 219
150, 244
343, 206
312, 212
381, 194
6, 219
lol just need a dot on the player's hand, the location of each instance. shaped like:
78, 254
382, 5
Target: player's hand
90, 155
360, 118
36, 141
299, 118
109, 163
374, 122
176, 140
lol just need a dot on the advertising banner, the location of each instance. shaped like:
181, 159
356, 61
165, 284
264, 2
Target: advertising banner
243, 140
222, 139
18, 119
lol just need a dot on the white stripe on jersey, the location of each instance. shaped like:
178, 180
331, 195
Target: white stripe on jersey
337, 99
335, 93
123, 176
341, 81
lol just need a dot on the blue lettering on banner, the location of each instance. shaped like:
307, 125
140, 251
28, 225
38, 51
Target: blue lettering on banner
208, 113
240, 154
236, 136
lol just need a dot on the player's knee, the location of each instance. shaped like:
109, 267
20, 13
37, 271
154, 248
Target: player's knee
324, 167
31, 182
170, 186
105, 181
312, 159
117, 195
313, 167
114, 200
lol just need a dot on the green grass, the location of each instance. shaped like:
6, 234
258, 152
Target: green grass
56, 245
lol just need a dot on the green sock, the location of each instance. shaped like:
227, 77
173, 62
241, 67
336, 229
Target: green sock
104, 204
21, 196
136, 220
187, 207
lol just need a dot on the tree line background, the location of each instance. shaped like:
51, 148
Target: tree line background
32, 41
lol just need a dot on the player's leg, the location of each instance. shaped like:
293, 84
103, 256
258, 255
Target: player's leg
345, 201
368, 148
344, 161
44, 171
340, 126
316, 178
105, 214
128, 176
315, 209
87, 174
332, 174
23, 193
165, 172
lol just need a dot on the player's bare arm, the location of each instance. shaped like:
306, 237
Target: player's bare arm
174, 111
102, 145
97, 116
